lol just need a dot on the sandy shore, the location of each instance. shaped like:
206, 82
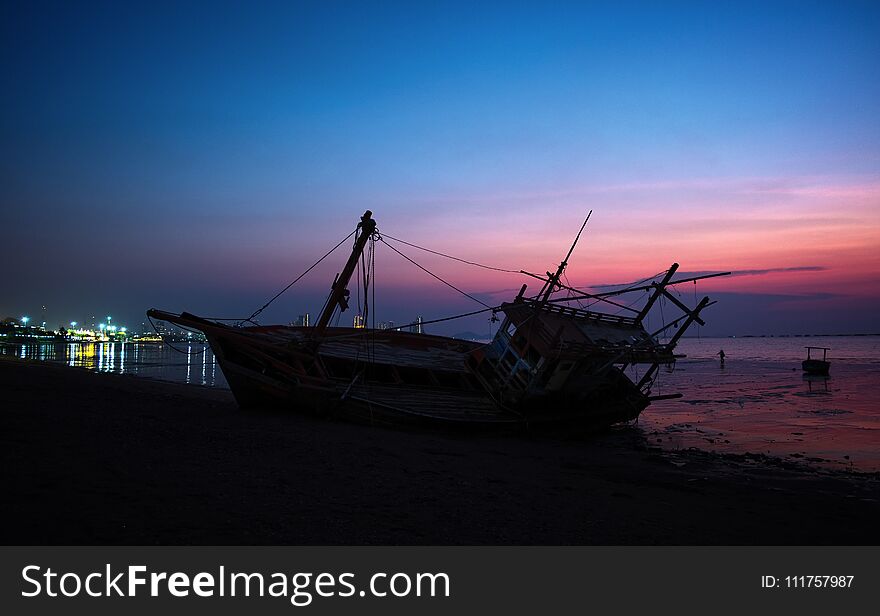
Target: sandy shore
106, 459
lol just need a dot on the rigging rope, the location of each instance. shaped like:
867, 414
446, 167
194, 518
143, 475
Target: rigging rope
623, 291
440, 254
372, 347
172, 347
448, 284
571, 286
366, 332
663, 318
297, 279
359, 275
620, 307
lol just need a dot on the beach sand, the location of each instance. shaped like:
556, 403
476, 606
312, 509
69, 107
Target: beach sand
93, 458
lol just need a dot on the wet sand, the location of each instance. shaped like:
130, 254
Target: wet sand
95, 458
771, 407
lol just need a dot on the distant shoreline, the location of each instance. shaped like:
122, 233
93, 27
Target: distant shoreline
49, 340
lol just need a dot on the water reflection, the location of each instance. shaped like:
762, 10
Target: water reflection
816, 384
154, 360
771, 407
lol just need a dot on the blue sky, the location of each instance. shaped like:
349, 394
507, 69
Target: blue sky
199, 156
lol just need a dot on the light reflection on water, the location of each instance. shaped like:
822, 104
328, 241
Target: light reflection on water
192, 363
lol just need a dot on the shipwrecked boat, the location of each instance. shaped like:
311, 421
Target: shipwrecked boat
550, 363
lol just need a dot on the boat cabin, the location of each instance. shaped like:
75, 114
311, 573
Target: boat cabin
548, 350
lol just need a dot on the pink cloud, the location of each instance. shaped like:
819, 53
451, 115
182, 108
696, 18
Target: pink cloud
640, 228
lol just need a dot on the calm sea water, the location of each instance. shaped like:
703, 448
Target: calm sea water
759, 401
193, 364
788, 349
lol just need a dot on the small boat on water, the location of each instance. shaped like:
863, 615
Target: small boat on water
817, 366
550, 363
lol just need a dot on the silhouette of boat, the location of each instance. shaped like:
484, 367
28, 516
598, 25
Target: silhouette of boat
550, 363
817, 366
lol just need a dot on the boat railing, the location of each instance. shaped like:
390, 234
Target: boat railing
580, 313
554, 339
638, 350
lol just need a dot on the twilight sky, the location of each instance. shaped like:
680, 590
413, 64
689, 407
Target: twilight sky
199, 158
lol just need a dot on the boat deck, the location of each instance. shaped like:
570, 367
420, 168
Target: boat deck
401, 349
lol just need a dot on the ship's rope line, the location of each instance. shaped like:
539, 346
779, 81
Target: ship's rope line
358, 276
172, 347
624, 290
237, 319
364, 276
324, 305
366, 332
372, 338
370, 273
430, 273
630, 305
627, 287
297, 279
620, 307
568, 282
367, 271
441, 254
663, 318
373, 278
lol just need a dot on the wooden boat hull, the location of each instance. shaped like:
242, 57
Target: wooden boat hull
265, 368
385, 404
549, 363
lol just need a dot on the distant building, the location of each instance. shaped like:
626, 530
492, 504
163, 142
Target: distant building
416, 327
302, 320
359, 321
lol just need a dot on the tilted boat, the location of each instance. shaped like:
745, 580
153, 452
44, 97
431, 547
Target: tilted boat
549, 363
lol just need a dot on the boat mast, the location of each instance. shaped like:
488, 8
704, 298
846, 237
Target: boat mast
339, 291
553, 280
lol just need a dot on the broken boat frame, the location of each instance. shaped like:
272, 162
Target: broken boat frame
549, 363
